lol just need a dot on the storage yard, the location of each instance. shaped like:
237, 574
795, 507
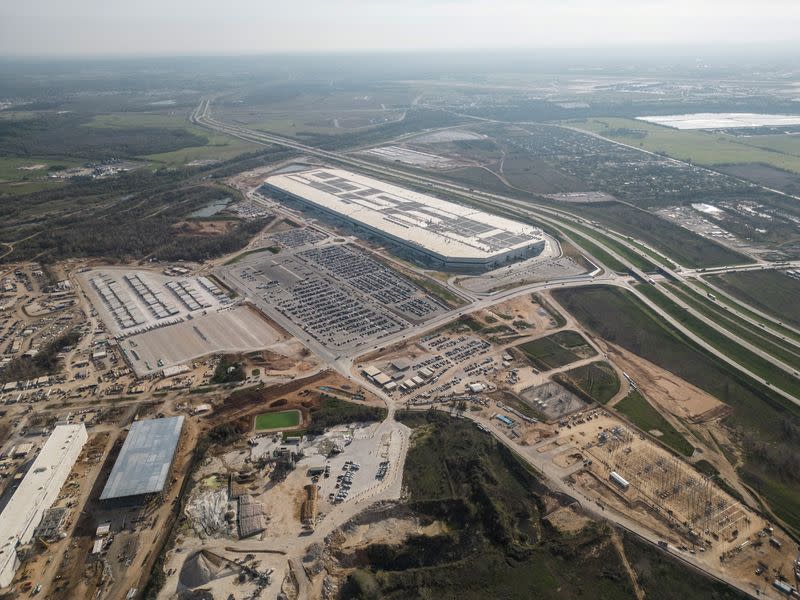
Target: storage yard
131, 302
437, 232
409, 156
162, 321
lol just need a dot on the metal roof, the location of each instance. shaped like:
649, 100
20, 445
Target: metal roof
426, 222
144, 461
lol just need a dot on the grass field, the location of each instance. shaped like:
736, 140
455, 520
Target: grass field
677, 242
16, 181
219, 147
751, 333
769, 291
645, 417
172, 120
596, 251
597, 380
761, 367
556, 350
700, 147
284, 419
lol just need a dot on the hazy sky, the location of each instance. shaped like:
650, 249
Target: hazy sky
125, 27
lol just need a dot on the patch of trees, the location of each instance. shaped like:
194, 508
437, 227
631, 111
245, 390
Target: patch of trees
228, 370
68, 135
44, 362
337, 412
137, 227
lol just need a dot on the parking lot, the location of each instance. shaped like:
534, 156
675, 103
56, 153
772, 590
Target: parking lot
461, 357
335, 293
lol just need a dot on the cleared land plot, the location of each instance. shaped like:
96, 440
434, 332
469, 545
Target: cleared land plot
699, 147
450, 135
597, 380
238, 330
772, 292
556, 350
677, 242
645, 417
285, 419
619, 318
538, 176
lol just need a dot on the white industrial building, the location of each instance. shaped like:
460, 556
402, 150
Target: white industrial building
36, 493
439, 233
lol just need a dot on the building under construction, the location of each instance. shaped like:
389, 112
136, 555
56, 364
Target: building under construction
669, 486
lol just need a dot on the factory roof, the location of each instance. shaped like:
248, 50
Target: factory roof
144, 461
432, 224
39, 488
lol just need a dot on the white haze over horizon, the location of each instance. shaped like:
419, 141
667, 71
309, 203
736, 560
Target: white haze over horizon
210, 27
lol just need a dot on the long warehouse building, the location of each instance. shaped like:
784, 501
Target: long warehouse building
36, 493
145, 459
438, 233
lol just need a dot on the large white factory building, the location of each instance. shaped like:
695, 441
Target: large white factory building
439, 233
36, 493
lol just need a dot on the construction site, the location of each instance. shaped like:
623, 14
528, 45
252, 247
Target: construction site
615, 468
670, 488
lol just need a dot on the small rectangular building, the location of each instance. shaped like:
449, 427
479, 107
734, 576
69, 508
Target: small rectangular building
399, 364
371, 371
618, 479
174, 370
144, 462
21, 450
36, 493
382, 379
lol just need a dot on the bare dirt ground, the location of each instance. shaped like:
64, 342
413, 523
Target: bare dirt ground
526, 309
671, 393
203, 228
567, 519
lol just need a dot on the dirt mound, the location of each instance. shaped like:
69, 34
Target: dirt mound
203, 567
